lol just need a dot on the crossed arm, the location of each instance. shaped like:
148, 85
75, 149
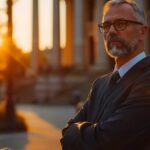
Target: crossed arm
128, 126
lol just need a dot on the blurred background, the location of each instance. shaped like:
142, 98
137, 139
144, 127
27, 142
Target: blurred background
50, 53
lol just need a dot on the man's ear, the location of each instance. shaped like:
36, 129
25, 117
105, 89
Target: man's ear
143, 32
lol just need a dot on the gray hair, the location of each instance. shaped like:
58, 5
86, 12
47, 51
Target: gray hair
139, 11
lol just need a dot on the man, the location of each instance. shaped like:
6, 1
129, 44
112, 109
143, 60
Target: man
116, 115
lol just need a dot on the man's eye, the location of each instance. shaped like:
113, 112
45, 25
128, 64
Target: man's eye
106, 25
119, 24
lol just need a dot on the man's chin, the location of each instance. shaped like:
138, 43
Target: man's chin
116, 52
117, 55
112, 55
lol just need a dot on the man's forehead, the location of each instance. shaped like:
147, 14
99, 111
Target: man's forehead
118, 11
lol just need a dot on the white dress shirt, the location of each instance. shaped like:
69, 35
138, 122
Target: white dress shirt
127, 66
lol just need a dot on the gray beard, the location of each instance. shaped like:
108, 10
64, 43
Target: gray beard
116, 52
126, 49
120, 52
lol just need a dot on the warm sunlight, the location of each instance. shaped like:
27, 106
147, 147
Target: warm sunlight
3, 30
62, 23
22, 19
22, 23
1, 41
46, 25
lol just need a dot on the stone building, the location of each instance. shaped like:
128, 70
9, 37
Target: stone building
84, 47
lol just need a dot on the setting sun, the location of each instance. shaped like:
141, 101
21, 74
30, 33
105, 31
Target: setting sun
22, 23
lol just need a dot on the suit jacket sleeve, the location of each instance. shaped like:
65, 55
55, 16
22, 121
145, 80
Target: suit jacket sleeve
82, 114
129, 122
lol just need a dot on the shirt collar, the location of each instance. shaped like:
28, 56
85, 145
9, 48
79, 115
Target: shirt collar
127, 66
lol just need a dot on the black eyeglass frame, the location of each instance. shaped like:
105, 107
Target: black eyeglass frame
126, 22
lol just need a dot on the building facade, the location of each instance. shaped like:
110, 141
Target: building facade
84, 44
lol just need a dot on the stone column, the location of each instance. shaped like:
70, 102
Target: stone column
102, 62
67, 58
35, 38
78, 34
56, 37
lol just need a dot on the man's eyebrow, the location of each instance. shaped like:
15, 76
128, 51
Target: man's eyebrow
109, 21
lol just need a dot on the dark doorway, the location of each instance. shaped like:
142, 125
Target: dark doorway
91, 51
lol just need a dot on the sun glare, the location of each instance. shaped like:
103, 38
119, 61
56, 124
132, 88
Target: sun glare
1, 41
4, 30
22, 23
45, 23
22, 13
63, 23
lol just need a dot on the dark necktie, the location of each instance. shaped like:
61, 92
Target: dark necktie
114, 78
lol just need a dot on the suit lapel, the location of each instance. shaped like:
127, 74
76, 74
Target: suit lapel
97, 101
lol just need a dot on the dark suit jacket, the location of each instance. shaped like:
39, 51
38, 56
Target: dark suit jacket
116, 118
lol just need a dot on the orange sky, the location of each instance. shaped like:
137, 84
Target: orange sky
22, 18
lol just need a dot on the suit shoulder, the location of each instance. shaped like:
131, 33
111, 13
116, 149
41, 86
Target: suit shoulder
101, 79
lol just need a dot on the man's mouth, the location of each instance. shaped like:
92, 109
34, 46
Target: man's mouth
115, 43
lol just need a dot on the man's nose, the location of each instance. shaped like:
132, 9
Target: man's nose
112, 29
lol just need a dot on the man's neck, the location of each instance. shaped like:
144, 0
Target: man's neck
122, 60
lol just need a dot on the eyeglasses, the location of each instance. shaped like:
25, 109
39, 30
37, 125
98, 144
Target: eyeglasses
119, 25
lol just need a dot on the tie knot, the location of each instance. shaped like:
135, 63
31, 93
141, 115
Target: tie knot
115, 77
